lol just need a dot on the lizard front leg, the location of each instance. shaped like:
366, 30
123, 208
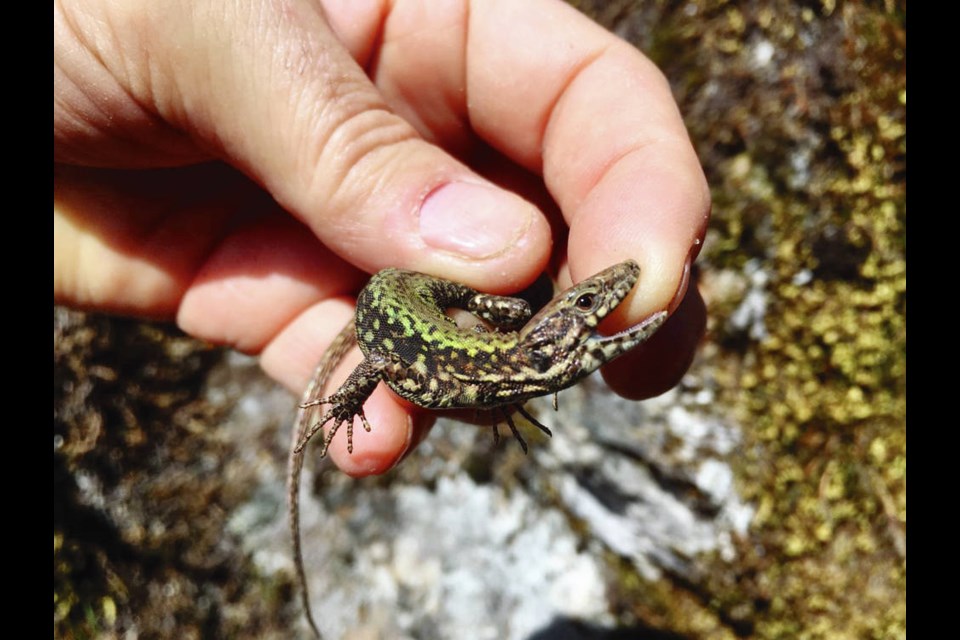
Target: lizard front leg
502, 312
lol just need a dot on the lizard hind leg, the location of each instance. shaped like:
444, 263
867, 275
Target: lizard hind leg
346, 403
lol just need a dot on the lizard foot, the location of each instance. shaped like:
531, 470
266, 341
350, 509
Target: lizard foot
508, 417
340, 415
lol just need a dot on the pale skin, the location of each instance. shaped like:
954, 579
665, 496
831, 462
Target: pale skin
478, 141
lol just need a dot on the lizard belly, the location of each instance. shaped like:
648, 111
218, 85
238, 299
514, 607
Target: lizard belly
471, 387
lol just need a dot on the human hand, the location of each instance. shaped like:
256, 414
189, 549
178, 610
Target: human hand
186, 134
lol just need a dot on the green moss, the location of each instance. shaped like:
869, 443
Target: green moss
798, 113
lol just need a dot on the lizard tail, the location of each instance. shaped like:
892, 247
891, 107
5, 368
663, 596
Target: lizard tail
341, 344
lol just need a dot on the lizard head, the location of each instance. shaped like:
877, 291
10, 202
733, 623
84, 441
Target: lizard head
562, 341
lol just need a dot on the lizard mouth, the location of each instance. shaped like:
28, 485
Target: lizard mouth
631, 336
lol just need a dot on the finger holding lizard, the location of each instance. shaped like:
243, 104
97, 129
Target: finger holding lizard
364, 121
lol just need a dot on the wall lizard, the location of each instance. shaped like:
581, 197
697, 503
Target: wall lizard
410, 343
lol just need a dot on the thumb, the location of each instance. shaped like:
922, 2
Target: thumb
272, 91
372, 189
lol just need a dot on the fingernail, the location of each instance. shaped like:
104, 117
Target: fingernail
471, 220
684, 279
682, 289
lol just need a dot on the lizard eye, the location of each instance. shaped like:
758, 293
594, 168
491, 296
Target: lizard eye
586, 302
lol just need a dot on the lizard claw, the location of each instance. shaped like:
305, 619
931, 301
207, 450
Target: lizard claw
314, 403
513, 428
363, 419
533, 420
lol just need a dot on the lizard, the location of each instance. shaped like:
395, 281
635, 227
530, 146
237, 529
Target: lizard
410, 343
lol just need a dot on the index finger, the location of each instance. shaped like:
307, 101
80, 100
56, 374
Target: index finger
599, 121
